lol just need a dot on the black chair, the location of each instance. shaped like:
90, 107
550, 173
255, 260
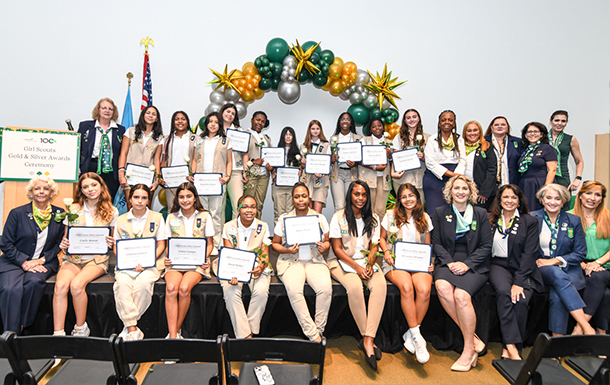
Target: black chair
586, 366
275, 349
543, 367
39, 367
182, 352
90, 359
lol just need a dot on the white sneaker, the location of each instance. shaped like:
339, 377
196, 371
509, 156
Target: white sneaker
421, 353
408, 342
59, 333
123, 333
81, 331
135, 335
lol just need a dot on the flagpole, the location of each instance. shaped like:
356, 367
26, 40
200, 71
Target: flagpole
147, 99
127, 120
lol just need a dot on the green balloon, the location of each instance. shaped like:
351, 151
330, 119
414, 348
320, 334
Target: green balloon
304, 77
258, 62
275, 83
202, 123
265, 84
392, 116
328, 56
277, 49
319, 80
360, 114
374, 114
276, 69
308, 44
386, 112
315, 58
383, 119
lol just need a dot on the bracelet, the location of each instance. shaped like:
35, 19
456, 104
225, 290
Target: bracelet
578, 177
598, 262
386, 250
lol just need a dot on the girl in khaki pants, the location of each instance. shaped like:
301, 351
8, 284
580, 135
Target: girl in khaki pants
353, 230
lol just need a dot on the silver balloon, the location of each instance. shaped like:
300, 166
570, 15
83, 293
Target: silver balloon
289, 92
292, 72
355, 98
362, 77
370, 101
231, 95
212, 107
242, 110
360, 89
284, 75
343, 96
347, 92
353, 88
386, 104
290, 61
216, 97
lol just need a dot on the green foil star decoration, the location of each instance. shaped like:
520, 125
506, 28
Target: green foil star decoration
383, 86
303, 59
225, 80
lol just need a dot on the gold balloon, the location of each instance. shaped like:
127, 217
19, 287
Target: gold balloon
257, 77
248, 96
334, 71
162, 197
337, 87
258, 93
338, 60
247, 68
238, 74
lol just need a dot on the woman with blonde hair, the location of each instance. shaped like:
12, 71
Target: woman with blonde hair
462, 242
590, 207
481, 163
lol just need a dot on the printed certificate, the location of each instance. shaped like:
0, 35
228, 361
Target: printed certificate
139, 174
187, 251
412, 256
349, 151
275, 156
240, 140
287, 176
88, 240
406, 160
174, 175
318, 164
373, 155
235, 263
136, 251
303, 230
208, 184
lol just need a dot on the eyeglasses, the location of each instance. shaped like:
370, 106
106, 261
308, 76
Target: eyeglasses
346, 120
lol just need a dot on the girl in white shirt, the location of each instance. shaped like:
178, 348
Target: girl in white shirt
187, 218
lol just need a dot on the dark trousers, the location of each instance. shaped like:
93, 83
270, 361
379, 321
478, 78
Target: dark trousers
107, 177
512, 316
596, 293
20, 296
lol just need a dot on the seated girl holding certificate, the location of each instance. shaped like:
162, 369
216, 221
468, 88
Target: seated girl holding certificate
296, 264
354, 234
213, 154
377, 176
92, 207
247, 233
133, 289
187, 218
408, 223
315, 143
282, 195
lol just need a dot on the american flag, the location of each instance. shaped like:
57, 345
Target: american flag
147, 96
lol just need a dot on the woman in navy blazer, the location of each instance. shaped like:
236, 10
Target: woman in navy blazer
30, 243
508, 150
105, 115
461, 241
562, 248
481, 163
513, 272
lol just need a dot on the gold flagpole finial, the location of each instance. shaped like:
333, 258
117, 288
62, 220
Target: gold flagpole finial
146, 41
129, 76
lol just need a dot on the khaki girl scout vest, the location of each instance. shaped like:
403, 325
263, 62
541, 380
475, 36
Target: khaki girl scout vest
348, 241
220, 156
177, 230
256, 237
254, 152
80, 221
140, 153
334, 171
285, 260
322, 149
150, 230
370, 176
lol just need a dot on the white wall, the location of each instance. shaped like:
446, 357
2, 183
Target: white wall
521, 59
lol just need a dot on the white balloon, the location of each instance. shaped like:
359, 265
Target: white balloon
231, 95
355, 98
242, 110
216, 97
289, 93
290, 61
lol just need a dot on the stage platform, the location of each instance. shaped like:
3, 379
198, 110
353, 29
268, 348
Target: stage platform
207, 316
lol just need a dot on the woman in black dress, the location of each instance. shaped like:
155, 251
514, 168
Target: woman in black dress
537, 164
462, 244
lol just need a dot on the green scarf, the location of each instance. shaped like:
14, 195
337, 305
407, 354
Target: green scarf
526, 159
42, 217
554, 230
555, 143
463, 222
105, 157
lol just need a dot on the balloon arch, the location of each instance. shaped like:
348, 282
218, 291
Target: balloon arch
284, 69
